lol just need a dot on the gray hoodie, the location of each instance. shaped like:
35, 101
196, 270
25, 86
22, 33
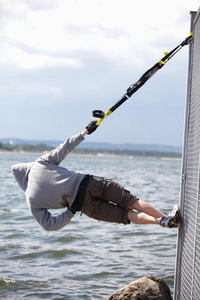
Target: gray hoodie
49, 186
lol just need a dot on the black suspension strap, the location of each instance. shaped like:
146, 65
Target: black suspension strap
146, 76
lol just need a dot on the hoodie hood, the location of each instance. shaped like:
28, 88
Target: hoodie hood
20, 172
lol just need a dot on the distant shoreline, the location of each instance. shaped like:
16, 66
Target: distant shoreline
98, 155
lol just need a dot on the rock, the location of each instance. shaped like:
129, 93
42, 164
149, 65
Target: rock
145, 288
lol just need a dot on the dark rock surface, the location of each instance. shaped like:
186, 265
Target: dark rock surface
145, 288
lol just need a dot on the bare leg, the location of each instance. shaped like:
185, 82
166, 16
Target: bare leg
142, 206
142, 218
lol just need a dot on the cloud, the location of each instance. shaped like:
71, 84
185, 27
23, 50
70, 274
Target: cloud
22, 56
22, 91
59, 60
34, 33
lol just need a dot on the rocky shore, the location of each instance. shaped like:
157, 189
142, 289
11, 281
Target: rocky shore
145, 288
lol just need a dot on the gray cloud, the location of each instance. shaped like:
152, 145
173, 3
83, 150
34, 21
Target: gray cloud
56, 99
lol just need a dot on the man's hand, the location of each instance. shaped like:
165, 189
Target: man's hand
91, 127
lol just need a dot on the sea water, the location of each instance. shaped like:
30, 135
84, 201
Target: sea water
87, 259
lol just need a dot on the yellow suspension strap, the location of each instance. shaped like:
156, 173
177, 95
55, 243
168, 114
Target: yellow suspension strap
101, 114
146, 76
176, 49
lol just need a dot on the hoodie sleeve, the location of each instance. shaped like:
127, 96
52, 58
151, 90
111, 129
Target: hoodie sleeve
49, 222
58, 154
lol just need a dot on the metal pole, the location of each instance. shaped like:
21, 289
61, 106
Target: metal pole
184, 157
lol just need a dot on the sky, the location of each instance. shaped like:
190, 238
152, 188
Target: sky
62, 59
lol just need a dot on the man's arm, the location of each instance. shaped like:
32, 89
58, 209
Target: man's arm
84, 132
58, 154
49, 222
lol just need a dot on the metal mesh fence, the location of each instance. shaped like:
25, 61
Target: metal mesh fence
187, 279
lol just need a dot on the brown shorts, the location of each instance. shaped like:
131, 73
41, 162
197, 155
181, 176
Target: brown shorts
106, 200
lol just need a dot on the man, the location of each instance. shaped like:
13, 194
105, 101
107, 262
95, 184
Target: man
49, 186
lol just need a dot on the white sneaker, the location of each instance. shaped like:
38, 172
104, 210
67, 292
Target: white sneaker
173, 219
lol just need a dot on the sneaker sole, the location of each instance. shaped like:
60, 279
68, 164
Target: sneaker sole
179, 225
176, 219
